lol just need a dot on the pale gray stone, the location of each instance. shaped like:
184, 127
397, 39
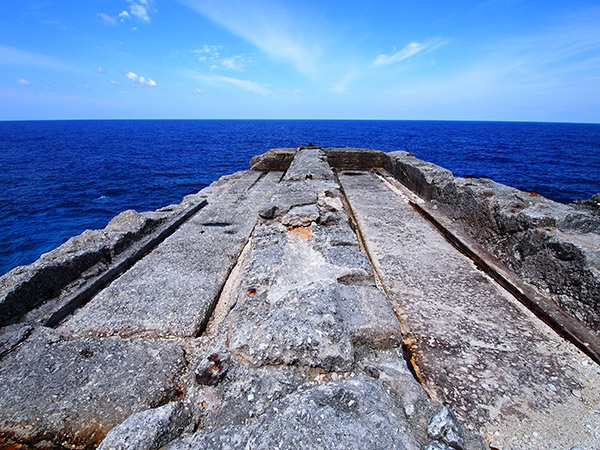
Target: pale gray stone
150, 429
553, 246
55, 389
445, 428
301, 216
336, 415
452, 310
171, 291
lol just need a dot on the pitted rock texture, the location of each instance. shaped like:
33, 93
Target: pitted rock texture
75, 391
172, 290
311, 362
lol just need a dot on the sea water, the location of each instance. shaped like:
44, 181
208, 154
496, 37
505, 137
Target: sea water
58, 178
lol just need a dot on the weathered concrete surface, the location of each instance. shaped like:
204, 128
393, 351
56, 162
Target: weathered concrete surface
552, 246
171, 291
474, 346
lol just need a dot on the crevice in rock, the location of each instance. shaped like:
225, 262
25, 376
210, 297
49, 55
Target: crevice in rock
258, 180
225, 290
407, 349
83, 295
545, 309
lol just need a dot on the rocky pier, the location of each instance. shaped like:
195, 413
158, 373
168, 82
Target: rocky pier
325, 298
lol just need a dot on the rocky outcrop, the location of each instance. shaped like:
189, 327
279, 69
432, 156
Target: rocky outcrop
554, 247
300, 304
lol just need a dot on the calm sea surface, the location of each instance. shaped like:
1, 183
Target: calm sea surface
58, 178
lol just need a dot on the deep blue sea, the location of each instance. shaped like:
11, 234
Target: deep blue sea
59, 178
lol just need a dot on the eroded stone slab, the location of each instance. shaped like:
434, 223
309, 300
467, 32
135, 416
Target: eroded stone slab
172, 290
475, 347
75, 391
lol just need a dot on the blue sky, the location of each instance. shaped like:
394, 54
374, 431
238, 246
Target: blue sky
435, 60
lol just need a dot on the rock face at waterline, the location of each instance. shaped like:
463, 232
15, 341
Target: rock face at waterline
326, 298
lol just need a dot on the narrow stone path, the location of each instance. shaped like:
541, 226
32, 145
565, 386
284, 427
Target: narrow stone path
474, 346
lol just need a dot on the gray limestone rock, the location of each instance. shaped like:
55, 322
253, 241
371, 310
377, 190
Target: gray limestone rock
354, 158
11, 336
301, 216
309, 164
278, 159
475, 347
550, 245
77, 390
150, 429
302, 327
172, 290
445, 428
335, 415
84, 258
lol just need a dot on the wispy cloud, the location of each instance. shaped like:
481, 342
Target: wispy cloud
238, 62
396, 56
101, 70
107, 19
410, 50
212, 54
268, 26
115, 83
208, 52
139, 80
246, 85
23, 82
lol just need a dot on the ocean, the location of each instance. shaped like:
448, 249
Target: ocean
59, 178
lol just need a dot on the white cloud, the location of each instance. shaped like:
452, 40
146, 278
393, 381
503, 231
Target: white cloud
23, 82
140, 12
115, 83
140, 81
208, 53
212, 54
138, 9
101, 70
410, 50
238, 62
269, 26
198, 91
108, 20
